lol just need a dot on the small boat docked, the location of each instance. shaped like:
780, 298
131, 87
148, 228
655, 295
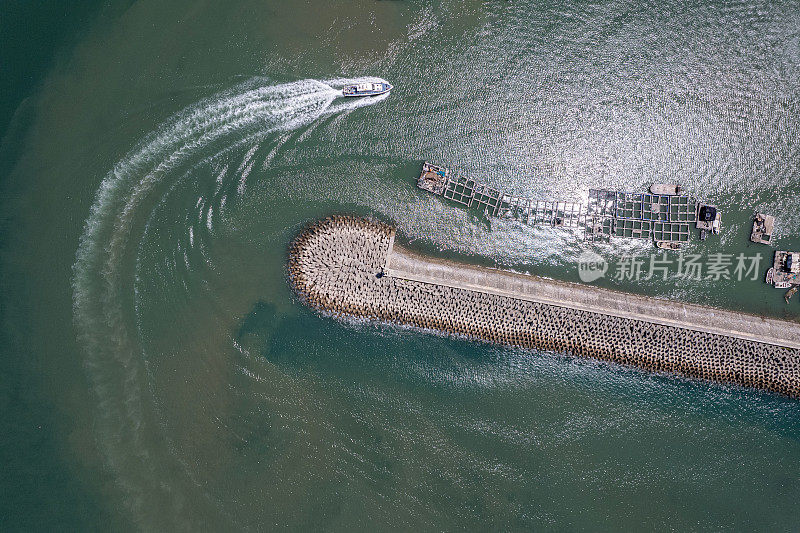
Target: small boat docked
791, 292
667, 189
785, 270
763, 226
366, 89
708, 219
668, 245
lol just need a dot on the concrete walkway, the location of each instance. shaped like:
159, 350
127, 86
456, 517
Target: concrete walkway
404, 264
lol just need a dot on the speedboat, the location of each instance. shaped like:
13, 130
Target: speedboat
366, 89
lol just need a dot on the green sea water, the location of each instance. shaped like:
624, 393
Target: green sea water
158, 158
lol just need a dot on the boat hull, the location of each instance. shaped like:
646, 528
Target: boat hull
375, 89
668, 245
667, 189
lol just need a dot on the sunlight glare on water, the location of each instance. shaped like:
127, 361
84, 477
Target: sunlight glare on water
198, 391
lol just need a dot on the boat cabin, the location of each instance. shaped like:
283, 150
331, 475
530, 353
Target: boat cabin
763, 226
708, 219
366, 89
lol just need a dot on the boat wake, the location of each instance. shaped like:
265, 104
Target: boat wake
104, 272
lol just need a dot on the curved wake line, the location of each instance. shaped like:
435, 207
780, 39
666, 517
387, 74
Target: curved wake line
100, 285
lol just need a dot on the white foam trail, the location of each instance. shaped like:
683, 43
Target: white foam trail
113, 355
245, 168
220, 177
274, 151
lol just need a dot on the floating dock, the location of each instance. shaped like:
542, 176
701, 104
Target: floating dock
663, 218
353, 267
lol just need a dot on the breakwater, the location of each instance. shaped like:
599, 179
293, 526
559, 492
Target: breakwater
353, 267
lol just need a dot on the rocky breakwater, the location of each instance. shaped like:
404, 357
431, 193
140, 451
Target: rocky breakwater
350, 267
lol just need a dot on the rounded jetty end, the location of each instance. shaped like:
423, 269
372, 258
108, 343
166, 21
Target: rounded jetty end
350, 266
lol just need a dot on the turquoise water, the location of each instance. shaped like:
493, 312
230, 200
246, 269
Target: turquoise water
158, 373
